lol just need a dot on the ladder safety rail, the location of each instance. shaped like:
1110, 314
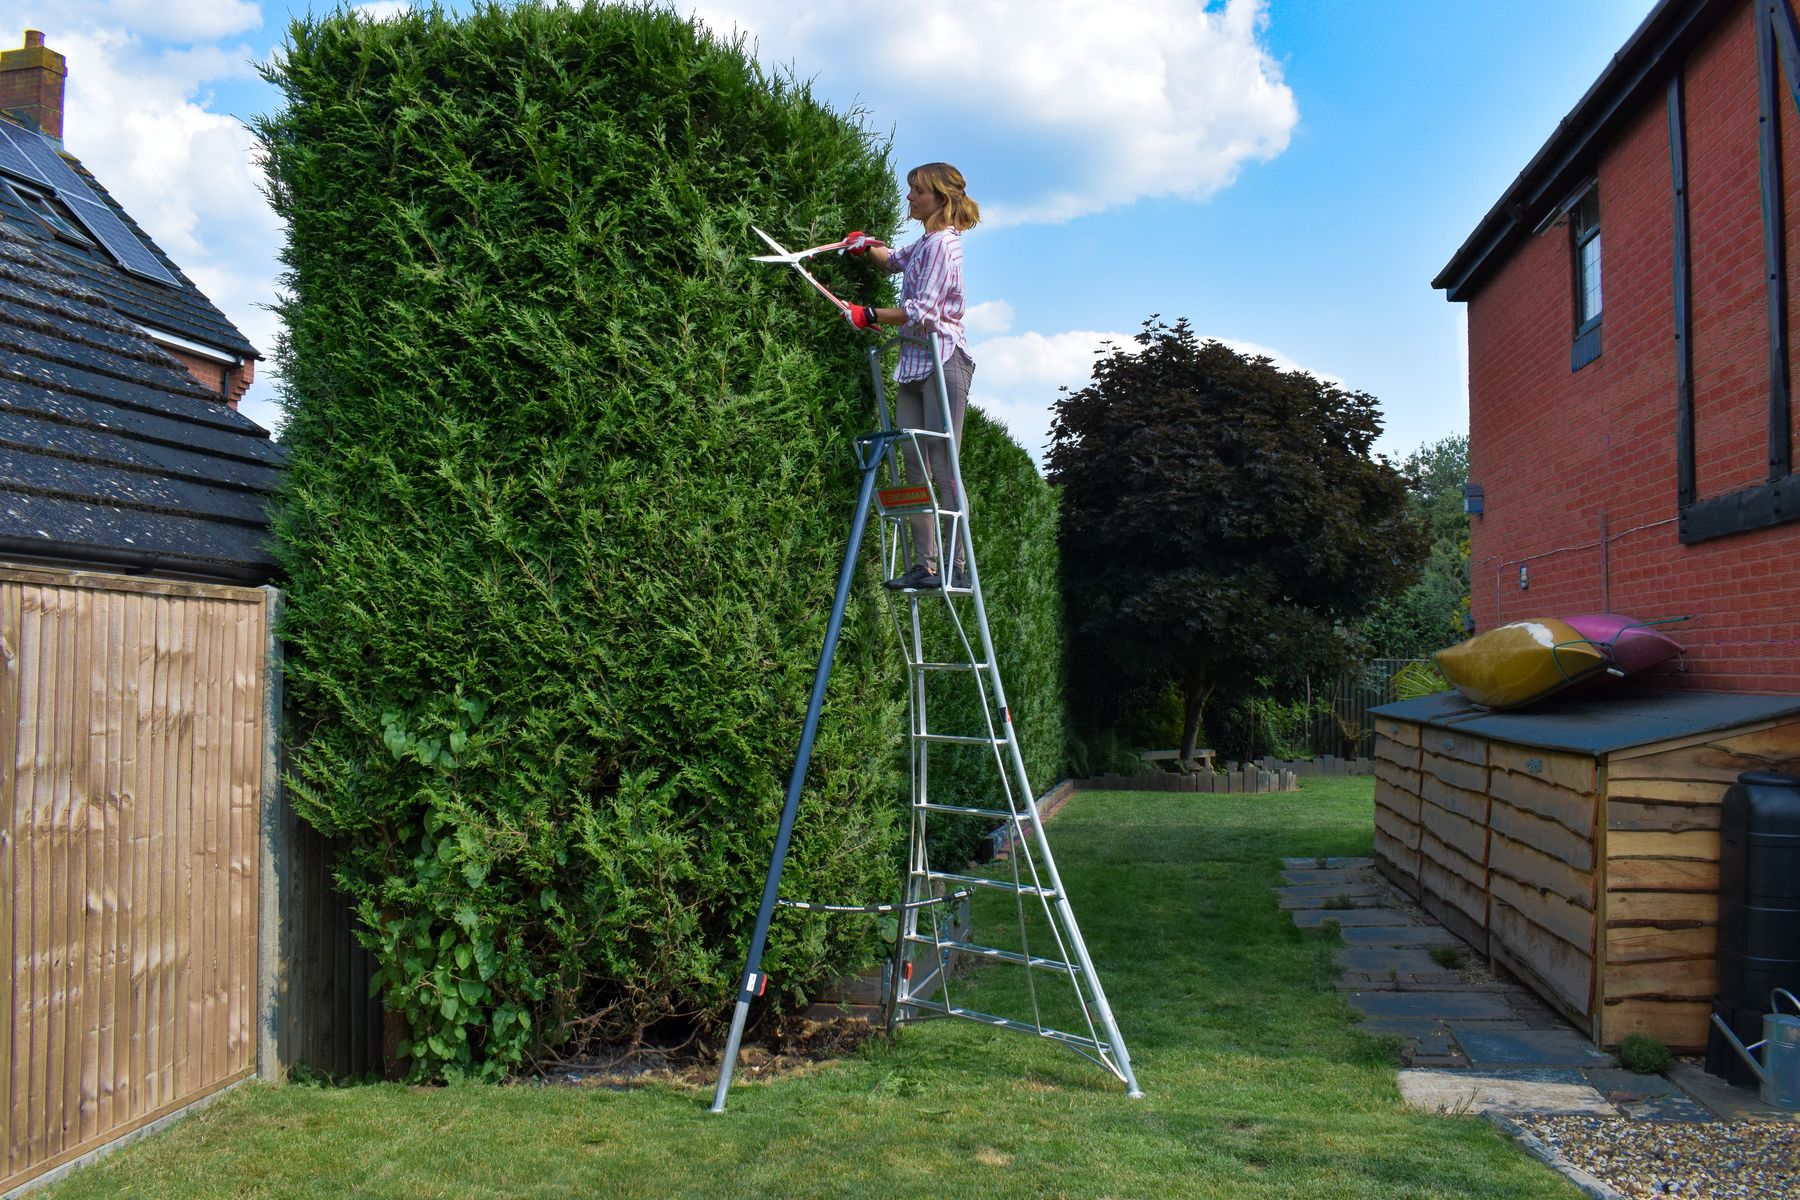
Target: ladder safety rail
917, 995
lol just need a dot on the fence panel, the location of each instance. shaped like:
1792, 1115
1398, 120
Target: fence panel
131, 771
1345, 728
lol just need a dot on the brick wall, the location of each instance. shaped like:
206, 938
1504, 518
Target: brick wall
233, 381
1561, 452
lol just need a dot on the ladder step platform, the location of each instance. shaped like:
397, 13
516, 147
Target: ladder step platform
998, 814
998, 885
1055, 1035
1010, 956
948, 666
956, 739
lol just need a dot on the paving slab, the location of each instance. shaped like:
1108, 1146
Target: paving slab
1332, 875
1726, 1102
1470, 1092
1528, 1048
1331, 863
1405, 960
1405, 935
1465, 1006
1362, 918
1345, 895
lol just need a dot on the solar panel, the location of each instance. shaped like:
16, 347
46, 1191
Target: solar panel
14, 160
117, 237
20, 148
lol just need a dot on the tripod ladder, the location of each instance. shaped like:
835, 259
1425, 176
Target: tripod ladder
933, 627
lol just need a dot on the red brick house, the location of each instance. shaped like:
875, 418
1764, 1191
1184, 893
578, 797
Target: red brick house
1631, 350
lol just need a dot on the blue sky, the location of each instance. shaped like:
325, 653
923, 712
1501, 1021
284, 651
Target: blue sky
1287, 174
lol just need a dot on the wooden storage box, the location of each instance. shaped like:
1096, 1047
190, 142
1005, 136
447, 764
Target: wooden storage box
1576, 843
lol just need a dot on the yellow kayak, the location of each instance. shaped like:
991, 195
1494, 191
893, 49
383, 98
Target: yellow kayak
1520, 663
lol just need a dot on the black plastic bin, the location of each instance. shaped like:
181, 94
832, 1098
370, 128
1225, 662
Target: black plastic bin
1759, 907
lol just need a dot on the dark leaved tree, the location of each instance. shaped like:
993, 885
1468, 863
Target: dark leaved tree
1223, 519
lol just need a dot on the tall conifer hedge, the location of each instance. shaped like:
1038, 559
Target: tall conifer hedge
569, 482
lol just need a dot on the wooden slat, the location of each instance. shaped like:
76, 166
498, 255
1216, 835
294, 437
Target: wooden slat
1403, 805
1661, 875
1676, 979
53, 848
1578, 773
1460, 907
1669, 818
1660, 908
1647, 943
1698, 844
1470, 805
1544, 908
1397, 733
1563, 970
1466, 776
1444, 743
1719, 760
1468, 837
90, 863
1681, 1025
1403, 832
1397, 861
1549, 837
1469, 870
184, 1075
1535, 869
1404, 779
61, 579
35, 736
1572, 810
1674, 791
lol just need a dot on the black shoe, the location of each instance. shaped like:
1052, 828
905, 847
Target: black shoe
931, 580
959, 577
912, 577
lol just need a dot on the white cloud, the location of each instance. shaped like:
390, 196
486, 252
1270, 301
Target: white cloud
169, 20
990, 316
1103, 104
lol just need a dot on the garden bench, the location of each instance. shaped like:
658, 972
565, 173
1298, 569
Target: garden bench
1203, 757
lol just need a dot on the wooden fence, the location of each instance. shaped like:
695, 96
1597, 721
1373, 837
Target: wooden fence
132, 751
1341, 725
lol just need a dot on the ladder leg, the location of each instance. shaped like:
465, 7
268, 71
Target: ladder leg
749, 984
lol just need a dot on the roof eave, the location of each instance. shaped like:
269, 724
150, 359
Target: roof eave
1573, 150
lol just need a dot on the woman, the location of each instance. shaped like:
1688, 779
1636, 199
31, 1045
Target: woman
931, 301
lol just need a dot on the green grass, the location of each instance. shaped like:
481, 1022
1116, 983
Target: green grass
1257, 1084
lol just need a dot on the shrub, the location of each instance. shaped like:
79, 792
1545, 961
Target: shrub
568, 491
1645, 1055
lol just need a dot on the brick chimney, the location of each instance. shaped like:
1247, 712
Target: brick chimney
31, 84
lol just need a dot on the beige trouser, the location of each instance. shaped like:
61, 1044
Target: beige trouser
916, 407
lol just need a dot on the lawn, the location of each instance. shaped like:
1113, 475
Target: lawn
1257, 1083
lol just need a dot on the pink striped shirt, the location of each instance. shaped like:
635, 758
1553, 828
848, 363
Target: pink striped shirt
931, 292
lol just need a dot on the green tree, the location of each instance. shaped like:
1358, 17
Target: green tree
1429, 614
1222, 520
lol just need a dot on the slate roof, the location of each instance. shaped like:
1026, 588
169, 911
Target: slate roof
184, 310
111, 455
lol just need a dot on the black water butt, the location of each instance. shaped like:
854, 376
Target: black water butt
1759, 909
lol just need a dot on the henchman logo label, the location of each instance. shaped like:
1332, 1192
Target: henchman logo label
905, 497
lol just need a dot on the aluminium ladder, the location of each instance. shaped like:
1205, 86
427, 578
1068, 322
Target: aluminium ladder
1031, 880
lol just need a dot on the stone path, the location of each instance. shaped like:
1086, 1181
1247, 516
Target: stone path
1470, 1042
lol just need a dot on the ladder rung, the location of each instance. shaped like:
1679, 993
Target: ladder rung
1021, 889
969, 1014
996, 813
947, 666
952, 739
1011, 956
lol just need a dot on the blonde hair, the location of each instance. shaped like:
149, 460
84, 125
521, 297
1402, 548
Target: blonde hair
947, 183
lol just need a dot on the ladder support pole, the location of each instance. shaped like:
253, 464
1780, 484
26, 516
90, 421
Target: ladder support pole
747, 989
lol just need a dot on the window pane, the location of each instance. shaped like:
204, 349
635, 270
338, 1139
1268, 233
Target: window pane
1590, 279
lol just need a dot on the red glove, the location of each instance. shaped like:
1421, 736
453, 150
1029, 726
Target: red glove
857, 242
860, 315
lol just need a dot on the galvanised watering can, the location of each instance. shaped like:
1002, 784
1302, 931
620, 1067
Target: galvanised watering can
1779, 1071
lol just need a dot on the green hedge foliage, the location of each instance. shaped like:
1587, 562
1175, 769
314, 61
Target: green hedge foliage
569, 483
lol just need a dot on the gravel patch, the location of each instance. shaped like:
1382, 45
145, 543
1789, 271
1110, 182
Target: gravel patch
1755, 1160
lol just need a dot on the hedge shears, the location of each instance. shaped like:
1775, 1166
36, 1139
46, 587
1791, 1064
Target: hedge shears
855, 242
